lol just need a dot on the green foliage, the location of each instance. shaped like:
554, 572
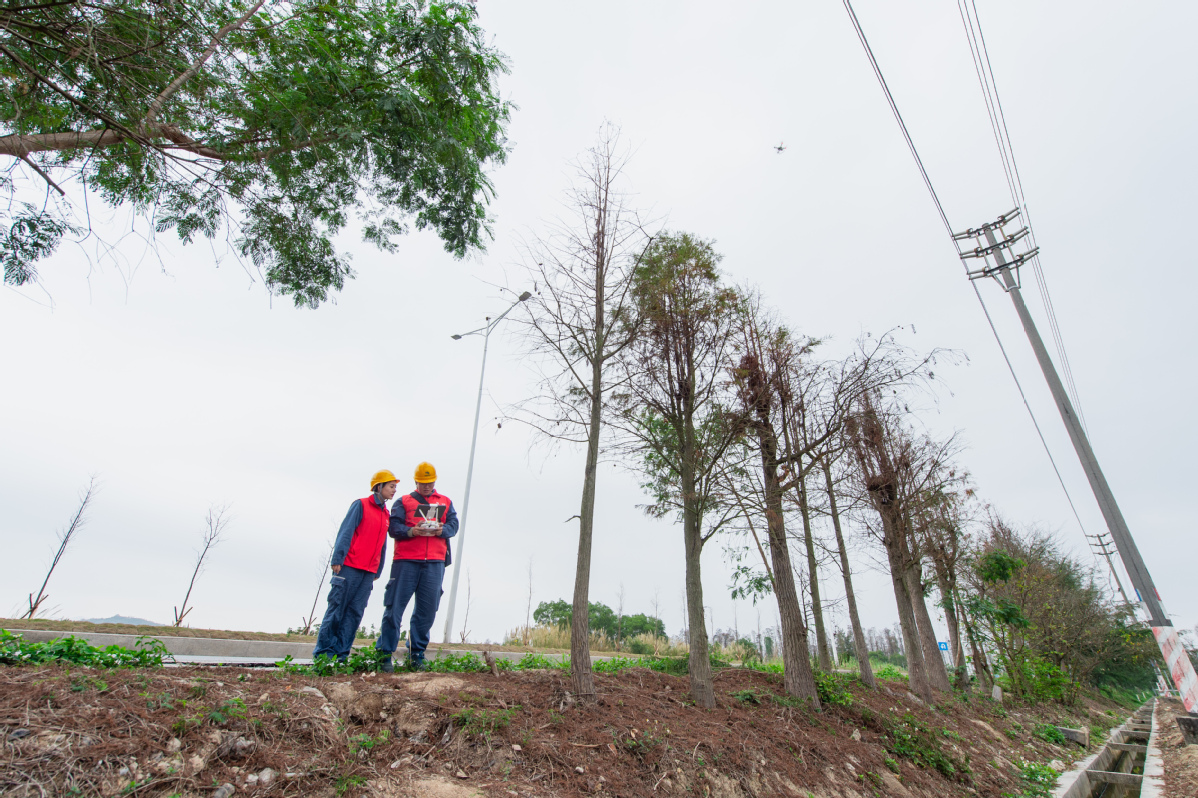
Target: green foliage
1048, 733
360, 660
1014, 730
146, 653
476, 722
747, 697
347, 782
891, 765
537, 662
909, 738
601, 618
305, 115
833, 688
997, 566
1036, 779
364, 742
890, 673
233, 709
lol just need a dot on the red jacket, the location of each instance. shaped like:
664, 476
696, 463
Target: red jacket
408, 511
370, 537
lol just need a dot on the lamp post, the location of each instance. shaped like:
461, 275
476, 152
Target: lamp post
485, 331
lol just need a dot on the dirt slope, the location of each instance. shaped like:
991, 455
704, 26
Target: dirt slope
189, 730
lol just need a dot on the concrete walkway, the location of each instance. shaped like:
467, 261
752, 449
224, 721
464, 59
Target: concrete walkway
217, 651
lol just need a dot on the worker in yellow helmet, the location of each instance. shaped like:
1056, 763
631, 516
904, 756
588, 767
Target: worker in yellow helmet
357, 561
422, 523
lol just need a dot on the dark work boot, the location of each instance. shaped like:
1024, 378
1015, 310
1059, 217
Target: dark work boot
387, 666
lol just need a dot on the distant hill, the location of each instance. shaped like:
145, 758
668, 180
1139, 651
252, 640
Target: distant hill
125, 619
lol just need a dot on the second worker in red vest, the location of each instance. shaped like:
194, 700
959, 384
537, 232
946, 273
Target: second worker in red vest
422, 523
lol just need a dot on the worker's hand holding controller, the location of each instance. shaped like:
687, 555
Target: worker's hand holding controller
428, 529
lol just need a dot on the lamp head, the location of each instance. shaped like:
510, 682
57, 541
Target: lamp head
525, 296
456, 337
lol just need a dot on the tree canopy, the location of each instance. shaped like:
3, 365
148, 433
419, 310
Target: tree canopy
271, 121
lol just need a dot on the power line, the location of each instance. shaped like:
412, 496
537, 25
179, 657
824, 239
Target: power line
976, 38
1012, 183
927, 181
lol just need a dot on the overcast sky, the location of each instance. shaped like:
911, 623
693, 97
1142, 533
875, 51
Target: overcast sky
183, 385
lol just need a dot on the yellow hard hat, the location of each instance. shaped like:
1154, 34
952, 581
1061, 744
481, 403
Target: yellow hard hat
425, 473
381, 477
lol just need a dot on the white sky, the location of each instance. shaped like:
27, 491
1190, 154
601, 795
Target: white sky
184, 385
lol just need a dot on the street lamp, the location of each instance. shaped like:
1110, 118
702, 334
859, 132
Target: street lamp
485, 331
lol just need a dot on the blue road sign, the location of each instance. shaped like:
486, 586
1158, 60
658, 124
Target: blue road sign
943, 646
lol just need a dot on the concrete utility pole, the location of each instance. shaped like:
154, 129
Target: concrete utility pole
994, 250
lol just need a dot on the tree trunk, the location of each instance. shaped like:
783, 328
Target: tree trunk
948, 598
867, 672
981, 667
702, 689
937, 673
817, 613
581, 675
916, 671
797, 677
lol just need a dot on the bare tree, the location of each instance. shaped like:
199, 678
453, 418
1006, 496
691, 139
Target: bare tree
64, 539
466, 617
859, 646
674, 410
620, 616
324, 572
528, 609
216, 521
577, 324
897, 470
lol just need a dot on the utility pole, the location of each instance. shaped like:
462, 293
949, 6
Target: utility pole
994, 249
485, 331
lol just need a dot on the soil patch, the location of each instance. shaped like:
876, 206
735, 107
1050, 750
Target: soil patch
188, 730
1180, 760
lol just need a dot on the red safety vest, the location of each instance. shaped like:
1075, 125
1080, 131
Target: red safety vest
417, 508
366, 546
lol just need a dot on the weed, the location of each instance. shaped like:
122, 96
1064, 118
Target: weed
484, 722
346, 783
833, 689
364, 742
950, 734
890, 673
1038, 780
555, 716
637, 742
233, 709
1048, 733
540, 662
747, 696
907, 737
79, 685
891, 765
159, 701
1000, 712
147, 652
360, 660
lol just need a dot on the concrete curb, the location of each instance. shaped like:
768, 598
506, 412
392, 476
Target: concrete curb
1153, 785
215, 650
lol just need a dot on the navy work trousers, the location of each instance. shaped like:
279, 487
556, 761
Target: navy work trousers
347, 601
419, 578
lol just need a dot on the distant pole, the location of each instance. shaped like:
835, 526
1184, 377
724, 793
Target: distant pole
995, 251
461, 536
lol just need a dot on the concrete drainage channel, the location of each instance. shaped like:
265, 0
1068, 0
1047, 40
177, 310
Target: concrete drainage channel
1128, 765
